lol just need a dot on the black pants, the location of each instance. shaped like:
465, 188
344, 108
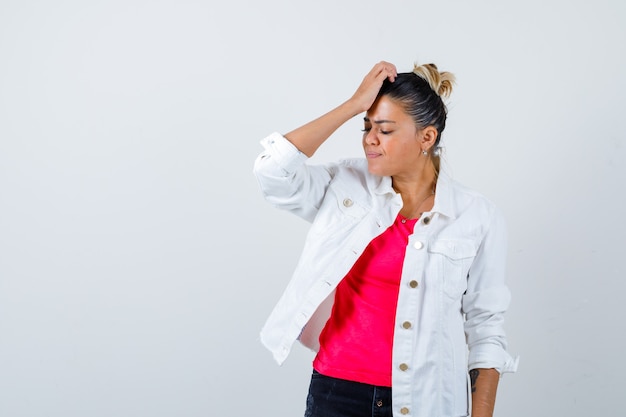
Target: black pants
333, 397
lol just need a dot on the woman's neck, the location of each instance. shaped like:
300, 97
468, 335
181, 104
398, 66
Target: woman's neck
416, 184
417, 191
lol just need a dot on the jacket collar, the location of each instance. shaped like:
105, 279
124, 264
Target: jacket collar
445, 201
383, 186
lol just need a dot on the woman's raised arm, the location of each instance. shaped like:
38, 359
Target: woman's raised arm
310, 136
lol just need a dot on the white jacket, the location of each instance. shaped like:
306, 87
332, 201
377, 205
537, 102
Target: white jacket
452, 289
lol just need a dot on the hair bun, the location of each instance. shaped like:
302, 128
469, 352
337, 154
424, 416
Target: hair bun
440, 82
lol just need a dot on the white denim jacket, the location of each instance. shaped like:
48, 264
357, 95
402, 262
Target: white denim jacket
452, 292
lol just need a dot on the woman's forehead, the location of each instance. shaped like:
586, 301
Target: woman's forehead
385, 110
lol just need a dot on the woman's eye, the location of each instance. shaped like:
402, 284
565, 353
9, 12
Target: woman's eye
382, 132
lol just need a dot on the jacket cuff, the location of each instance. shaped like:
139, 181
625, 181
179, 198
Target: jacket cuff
492, 356
282, 153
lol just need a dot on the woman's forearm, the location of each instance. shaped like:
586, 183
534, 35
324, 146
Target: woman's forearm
484, 387
310, 136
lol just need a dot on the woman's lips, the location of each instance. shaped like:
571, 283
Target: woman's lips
370, 155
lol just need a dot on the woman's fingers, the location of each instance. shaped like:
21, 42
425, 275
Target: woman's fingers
381, 71
370, 86
386, 69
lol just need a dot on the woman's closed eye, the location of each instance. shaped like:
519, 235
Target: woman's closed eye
382, 132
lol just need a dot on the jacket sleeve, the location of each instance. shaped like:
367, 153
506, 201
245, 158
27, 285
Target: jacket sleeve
486, 300
286, 181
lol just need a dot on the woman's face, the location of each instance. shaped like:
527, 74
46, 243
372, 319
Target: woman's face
391, 140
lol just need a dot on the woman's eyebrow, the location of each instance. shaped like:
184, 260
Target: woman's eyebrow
367, 120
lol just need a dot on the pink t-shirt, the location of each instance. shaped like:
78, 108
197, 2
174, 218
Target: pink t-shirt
357, 340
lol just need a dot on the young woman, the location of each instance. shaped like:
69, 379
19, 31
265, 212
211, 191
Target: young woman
400, 287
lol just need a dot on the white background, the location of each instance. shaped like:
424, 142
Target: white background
138, 260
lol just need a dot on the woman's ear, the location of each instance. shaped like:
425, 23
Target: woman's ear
428, 137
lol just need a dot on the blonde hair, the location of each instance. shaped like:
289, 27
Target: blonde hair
440, 82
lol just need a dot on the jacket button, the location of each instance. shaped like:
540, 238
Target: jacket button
413, 284
403, 366
347, 202
418, 245
426, 220
404, 411
406, 325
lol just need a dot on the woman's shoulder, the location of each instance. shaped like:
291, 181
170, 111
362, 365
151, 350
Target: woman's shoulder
353, 164
464, 196
462, 189
354, 167
353, 172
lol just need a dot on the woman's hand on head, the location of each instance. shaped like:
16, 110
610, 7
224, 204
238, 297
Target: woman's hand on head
367, 92
309, 137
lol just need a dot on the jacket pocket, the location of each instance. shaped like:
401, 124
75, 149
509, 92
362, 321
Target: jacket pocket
339, 210
455, 257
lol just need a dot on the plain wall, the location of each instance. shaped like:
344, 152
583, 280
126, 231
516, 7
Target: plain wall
138, 260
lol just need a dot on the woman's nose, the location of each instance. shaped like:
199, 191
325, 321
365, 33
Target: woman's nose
371, 138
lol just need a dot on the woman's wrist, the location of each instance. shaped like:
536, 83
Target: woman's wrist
353, 107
